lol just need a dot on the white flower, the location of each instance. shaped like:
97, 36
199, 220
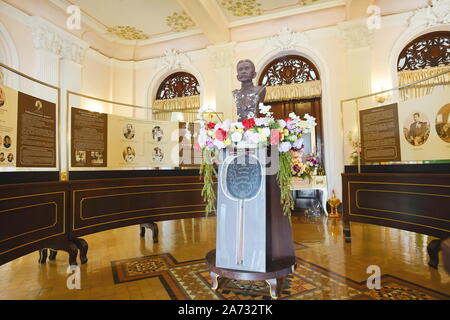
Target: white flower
282, 123
310, 120
284, 147
238, 125
264, 109
236, 137
294, 117
202, 137
250, 115
266, 131
298, 144
226, 125
219, 144
252, 137
262, 122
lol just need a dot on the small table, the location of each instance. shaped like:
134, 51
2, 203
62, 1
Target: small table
316, 183
274, 279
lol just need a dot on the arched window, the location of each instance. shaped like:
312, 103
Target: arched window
179, 92
288, 70
425, 56
295, 73
177, 85
427, 51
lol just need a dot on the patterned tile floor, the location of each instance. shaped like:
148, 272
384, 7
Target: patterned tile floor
328, 268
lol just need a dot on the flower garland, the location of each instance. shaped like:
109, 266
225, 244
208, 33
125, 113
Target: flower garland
286, 134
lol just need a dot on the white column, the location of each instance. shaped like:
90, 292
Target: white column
59, 57
222, 59
358, 41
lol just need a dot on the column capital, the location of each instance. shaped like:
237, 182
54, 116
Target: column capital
51, 39
222, 56
356, 34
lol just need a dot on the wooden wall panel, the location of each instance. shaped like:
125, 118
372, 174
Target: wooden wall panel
31, 216
413, 202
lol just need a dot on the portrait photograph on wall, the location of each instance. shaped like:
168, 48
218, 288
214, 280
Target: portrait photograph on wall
443, 123
416, 129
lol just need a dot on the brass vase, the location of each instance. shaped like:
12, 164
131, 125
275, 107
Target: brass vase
334, 205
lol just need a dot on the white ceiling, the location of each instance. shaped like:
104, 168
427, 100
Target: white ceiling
152, 17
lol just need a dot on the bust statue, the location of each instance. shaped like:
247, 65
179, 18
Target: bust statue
249, 97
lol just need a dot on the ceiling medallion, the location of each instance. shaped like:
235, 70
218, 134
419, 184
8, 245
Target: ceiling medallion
179, 22
242, 8
127, 33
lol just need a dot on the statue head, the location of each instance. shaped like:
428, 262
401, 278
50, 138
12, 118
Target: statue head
246, 70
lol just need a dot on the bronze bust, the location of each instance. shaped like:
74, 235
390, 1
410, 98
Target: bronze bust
249, 97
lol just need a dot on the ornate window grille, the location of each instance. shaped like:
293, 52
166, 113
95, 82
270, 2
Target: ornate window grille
177, 85
429, 50
288, 70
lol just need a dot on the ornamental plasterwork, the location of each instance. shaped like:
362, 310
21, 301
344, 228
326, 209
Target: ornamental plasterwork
172, 59
356, 35
247, 8
438, 12
242, 8
222, 56
48, 39
179, 22
127, 33
286, 39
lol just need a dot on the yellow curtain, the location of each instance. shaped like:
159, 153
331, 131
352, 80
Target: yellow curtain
425, 87
296, 91
188, 106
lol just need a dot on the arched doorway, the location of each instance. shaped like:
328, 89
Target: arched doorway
289, 70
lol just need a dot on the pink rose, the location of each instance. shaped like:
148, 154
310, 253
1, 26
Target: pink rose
221, 134
275, 136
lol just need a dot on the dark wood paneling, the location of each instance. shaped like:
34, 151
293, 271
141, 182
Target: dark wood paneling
401, 168
98, 205
119, 174
28, 177
32, 215
413, 202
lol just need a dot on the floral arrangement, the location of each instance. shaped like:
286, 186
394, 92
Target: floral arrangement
353, 140
304, 169
286, 134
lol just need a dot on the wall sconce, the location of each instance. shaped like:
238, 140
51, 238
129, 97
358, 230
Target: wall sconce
382, 97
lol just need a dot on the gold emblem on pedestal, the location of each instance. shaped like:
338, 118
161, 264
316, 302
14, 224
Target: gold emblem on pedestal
334, 205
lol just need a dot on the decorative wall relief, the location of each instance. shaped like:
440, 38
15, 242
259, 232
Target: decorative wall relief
438, 12
127, 33
52, 40
173, 59
179, 22
286, 39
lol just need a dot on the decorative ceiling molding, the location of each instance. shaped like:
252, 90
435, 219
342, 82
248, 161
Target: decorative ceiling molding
173, 59
356, 34
128, 33
438, 12
49, 38
286, 39
179, 22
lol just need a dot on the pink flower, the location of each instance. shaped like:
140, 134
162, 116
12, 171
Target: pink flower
197, 147
275, 136
221, 134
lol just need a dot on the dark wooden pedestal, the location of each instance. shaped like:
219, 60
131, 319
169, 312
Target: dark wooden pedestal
71, 247
220, 276
153, 227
